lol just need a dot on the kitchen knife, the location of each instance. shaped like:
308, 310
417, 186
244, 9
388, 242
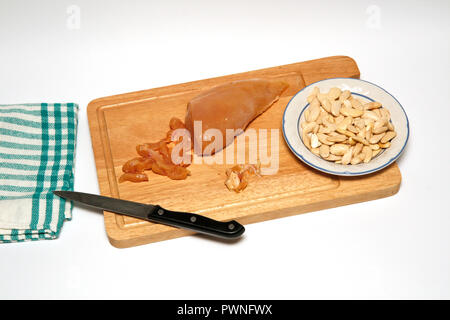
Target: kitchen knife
155, 213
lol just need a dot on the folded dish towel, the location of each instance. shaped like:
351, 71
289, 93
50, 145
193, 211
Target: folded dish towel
37, 153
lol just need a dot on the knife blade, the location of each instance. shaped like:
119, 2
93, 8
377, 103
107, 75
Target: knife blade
154, 213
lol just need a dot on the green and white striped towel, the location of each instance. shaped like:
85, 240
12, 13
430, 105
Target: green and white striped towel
37, 153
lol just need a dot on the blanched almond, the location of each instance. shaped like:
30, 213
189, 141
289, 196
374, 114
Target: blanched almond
329, 119
361, 140
379, 124
372, 105
390, 126
316, 128
362, 155
344, 123
355, 160
314, 103
368, 135
388, 136
339, 119
333, 157
327, 129
321, 96
315, 151
356, 113
324, 151
334, 93
367, 154
347, 104
375, 153
335, 108
306, 140
351, 142
356, 104
322, 115
374, 147
357, 149
337, 138
339, 149
377, 112
323, 138
351, 112
385, 113
321, 128
367, 121
309, 127
376, 138
326, 104
362, 133
369, 126
345, 132
359, 123
315, 143
314, 112
344, 95
310, 98
370, 115
384, 145
330, 128
352, 129
379, 130
307, 114
347, 156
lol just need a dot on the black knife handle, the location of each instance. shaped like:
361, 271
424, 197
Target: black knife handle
229, 230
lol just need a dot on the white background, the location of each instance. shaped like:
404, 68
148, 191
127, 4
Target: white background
397, 247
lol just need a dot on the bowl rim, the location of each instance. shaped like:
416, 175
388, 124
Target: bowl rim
344, 173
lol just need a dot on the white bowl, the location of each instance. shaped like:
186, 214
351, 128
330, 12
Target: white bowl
366, 91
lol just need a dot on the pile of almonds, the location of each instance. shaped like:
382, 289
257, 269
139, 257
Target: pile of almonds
340, 128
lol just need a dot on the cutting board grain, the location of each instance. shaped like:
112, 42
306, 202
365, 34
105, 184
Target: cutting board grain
118, 123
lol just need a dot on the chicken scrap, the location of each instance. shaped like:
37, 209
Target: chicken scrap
238, 176
156, 157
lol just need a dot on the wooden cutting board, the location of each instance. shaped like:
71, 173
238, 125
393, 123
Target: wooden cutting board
118, 123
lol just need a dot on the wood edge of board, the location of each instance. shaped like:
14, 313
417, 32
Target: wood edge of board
304, 67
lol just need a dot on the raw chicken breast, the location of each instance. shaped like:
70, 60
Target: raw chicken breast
230, 106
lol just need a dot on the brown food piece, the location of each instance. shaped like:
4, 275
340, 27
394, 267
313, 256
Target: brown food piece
176, 123
231, 106
238, 177
188, 162
137, 165
133, 177
165, 168
156, 156
143, 149
178, 173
